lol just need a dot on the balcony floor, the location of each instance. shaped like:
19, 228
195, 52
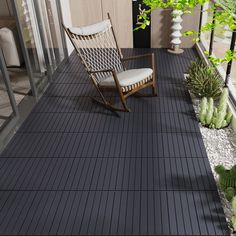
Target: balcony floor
75, 168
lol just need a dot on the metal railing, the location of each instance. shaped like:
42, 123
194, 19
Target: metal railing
212, 36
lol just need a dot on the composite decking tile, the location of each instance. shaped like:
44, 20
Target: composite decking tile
67, 104
71, 90
87, 122
72, 78
146, 145
74, 167
137, 105
101, 174
173, 90
112, 212
87, 89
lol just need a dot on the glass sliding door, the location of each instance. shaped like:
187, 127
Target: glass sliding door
51, 30
31, 45
48, 14
8, 106
41, 32
30, 32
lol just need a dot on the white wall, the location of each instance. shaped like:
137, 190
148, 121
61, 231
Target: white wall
66, 15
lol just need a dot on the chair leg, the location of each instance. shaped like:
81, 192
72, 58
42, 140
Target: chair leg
154, 91
126, 109
123, 101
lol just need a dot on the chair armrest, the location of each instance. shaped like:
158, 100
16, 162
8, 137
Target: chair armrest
150, 55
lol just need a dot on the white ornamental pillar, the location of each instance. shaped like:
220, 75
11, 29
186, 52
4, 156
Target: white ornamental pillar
176, 32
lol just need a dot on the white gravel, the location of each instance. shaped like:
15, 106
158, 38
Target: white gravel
221, 149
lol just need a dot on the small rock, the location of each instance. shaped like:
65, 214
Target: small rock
221, 149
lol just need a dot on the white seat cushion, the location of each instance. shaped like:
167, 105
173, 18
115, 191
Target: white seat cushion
128, 77
91, 29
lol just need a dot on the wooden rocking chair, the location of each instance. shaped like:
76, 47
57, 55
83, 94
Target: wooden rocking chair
98, 50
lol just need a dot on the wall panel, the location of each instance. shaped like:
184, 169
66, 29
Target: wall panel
85, 12
121, 14
161, 28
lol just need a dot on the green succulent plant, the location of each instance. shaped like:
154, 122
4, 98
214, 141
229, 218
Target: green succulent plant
230, 193
227, 180
203, 81
212, 117
233, 219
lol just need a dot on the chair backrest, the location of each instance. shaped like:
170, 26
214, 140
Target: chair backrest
97, 47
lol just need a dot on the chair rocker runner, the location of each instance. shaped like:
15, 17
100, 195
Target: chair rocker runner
98, 50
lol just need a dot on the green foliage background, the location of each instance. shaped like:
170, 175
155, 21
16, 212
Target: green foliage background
231, 4
224, 16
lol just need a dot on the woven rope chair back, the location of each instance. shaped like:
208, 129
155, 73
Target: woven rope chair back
99, 50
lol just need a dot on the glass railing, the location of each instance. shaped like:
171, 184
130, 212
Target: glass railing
218, 41
233, 73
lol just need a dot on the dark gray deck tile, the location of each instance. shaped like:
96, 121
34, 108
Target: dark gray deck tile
75, 168
103, 174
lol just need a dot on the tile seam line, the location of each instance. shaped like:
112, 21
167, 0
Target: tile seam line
106, 190
43, 157
74, 112
89, 132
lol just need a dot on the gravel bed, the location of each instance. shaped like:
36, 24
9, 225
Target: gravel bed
221, 149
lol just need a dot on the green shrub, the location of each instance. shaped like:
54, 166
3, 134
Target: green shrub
231, 4
203, 81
